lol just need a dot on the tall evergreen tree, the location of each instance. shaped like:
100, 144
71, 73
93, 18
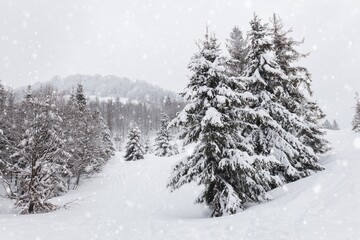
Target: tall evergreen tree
220, 161
134, 147
80, 97
88, 138
163, 140
102, 131
11, 129
76, 117
293, 98
356, 119
237, 47
40, 160
273, 125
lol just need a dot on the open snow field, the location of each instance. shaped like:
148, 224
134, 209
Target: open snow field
129, 200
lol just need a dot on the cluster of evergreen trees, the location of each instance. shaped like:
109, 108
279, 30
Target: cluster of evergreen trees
48, 142
253, 126
147, 115
164, 145
331, 126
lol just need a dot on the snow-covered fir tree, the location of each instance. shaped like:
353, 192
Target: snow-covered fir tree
40, 160
273, 126
134, 147
335, 125
356, 119
238, 50
107, 141
77, 130
88, 138
293, 97
11, 123
100, 144
148, 147
102, 133
163, 141
221, 162
80, 97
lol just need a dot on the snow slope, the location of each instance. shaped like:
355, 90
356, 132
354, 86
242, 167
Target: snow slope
128, 200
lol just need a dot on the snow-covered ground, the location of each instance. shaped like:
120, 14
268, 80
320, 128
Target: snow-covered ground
129, 200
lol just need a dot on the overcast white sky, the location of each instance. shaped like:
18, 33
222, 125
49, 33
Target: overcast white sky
153, 40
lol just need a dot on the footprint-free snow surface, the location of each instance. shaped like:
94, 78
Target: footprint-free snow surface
129, 200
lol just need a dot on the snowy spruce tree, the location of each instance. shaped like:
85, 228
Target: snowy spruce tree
134, 147
88, 138
272, 124
78, 131
40, 159
297, 89
163, 141
100, 144
13, 122
221, 161
106, 145
237, 47
356, 119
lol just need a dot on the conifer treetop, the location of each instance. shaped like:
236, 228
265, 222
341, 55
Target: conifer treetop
356, 118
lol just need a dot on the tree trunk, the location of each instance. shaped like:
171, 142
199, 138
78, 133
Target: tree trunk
31, 207
77, 181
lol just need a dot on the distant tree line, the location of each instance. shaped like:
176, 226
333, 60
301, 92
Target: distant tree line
331, 126
107, 86
147, 115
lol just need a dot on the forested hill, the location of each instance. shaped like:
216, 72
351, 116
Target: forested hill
110, 86
120, 100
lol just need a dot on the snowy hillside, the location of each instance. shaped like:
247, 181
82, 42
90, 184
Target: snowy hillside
129, 200
110, 86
